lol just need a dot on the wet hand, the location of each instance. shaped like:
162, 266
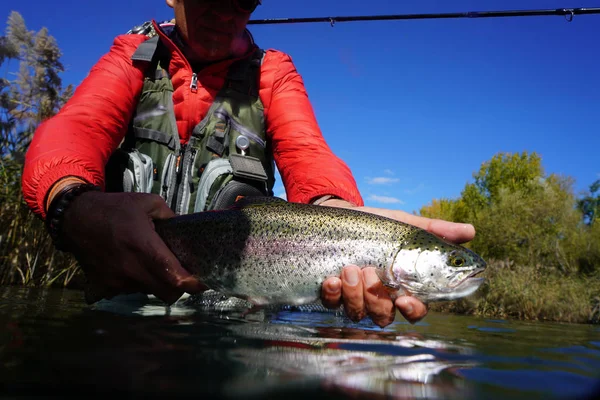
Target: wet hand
112, 236
362, 292
452, 231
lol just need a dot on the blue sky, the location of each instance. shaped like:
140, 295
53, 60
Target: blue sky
413, 107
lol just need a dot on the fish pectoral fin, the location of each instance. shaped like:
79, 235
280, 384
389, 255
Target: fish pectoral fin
396, 291
248, 201
386, 277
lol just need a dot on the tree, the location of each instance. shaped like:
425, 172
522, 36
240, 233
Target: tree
523, 215
441, 209
590, 204
534, 227
36, 93
31, 92
518, 172
504, 172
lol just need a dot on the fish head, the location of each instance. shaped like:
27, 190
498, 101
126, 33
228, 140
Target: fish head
433, 269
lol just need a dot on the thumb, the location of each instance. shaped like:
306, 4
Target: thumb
155, 206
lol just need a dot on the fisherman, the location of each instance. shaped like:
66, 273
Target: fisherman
187, 116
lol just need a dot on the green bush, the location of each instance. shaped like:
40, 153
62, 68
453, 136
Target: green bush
534, 221
531, 293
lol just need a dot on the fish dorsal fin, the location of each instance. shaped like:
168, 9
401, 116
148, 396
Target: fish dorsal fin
250, 201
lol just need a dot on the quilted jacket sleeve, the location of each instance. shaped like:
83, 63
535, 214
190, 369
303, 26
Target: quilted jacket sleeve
308, 167
80, 138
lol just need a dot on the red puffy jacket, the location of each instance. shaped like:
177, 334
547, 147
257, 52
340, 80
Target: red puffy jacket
80, 138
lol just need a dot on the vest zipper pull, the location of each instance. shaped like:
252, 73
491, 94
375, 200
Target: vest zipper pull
178, 160
194, 84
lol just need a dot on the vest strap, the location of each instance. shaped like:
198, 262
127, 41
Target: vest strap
215, 146
157, 136
145, 51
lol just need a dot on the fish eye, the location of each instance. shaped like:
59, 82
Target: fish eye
458, 261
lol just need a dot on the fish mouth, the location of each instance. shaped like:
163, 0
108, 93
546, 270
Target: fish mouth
470, 280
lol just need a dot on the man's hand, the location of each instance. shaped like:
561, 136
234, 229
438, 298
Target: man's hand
113, 238
361, 291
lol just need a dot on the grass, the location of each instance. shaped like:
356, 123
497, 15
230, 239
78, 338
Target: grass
27, 256
531, 293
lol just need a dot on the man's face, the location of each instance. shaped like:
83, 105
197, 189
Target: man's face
212, 29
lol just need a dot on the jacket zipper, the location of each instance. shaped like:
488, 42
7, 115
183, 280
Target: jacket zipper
194, 83
176, 205
179, 162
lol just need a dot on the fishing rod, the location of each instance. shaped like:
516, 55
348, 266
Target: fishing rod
568, 13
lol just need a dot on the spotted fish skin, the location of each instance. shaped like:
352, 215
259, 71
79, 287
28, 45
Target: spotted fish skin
270, 251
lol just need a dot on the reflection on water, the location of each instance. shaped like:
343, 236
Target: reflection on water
52, 343
413, 376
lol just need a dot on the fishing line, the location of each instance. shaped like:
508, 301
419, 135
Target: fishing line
568, 13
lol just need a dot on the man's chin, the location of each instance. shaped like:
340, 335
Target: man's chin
208, 54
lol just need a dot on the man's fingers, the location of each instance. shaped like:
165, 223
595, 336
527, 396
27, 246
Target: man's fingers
164, 292
378, 303
160, 260
166, 268
352, 293
331, 293
411, 308
452, 231
155, 207
152, 283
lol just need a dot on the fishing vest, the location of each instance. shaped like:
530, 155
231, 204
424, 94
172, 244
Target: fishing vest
228, 154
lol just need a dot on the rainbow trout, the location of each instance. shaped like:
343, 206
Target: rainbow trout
270, 251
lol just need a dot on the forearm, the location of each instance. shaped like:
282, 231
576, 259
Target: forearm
332, 201
309, 169
78, 141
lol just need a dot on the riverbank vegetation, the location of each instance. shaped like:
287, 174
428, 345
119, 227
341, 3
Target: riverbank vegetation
541, 240
31, 90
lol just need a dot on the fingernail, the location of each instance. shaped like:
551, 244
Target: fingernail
351, 276
371, 278
407, 307
189, 283
334, 286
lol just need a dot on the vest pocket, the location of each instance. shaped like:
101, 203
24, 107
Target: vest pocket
166, 179
138, 176
221, 184
215, 169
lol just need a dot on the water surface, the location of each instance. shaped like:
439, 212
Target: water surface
52, 343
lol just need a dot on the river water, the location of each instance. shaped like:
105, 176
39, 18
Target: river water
53, 344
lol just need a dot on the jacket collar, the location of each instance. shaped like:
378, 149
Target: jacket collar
169, 35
